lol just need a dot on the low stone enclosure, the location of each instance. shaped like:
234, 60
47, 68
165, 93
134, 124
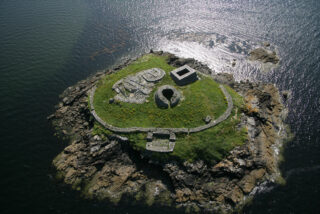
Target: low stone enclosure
158, 141
167, 96
163, 139
184, 75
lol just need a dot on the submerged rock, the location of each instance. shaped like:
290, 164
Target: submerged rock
263, 55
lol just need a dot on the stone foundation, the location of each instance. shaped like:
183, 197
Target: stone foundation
184, 75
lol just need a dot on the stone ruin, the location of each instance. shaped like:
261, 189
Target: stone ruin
161, 141
136, 88
167, 96
184, 75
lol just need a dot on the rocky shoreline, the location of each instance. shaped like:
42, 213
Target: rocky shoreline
106, 167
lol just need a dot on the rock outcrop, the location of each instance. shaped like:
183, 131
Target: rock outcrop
263, 55
106, 167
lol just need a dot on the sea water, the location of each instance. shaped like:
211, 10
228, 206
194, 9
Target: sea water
47, 46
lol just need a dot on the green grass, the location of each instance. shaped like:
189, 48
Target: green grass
202, 98
213, 144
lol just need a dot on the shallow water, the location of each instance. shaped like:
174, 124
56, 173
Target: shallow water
47, 46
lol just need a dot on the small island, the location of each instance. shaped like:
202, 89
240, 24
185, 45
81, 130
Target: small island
166, 131
183, 111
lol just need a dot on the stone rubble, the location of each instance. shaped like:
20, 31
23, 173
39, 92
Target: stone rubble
136, 88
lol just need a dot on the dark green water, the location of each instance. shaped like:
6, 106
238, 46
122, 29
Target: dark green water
46, 46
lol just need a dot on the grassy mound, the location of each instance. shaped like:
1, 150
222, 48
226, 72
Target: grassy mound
201, 98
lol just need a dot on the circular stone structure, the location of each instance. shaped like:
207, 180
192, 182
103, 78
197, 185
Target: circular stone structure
166, 96
153, 74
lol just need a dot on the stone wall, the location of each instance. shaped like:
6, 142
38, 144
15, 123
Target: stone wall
213, 123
